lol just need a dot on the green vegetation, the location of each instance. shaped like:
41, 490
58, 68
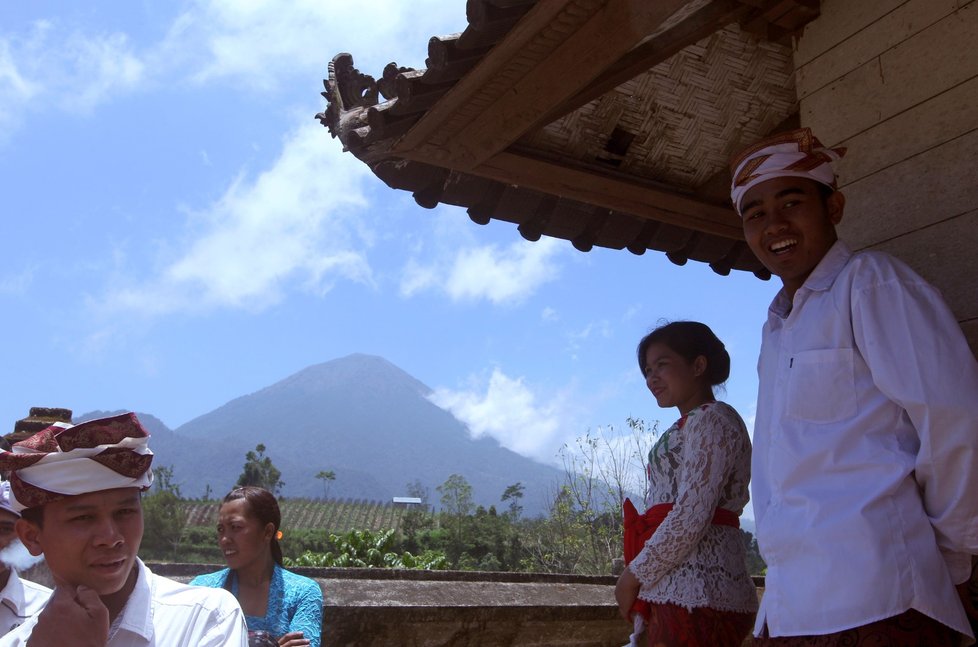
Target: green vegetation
163, 519
364, 549
582, 533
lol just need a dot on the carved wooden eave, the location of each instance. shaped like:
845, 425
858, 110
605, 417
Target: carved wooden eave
602, 122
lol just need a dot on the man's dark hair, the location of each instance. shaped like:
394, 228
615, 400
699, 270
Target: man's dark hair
35, 515
824, 191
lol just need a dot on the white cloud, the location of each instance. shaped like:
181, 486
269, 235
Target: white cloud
506, 275
14, 87
548, 314
98, 68
17, 283
509, 411
291, 226
48, 65
576, 339
631, 313
416, 277
261, 42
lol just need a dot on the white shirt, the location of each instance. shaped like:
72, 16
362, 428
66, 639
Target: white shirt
865, 450
20, 600
164, 613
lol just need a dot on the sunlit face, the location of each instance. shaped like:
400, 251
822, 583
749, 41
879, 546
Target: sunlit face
241, 536
90, 539
789, 226
673, 380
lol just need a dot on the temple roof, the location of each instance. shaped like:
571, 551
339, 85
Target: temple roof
601, 122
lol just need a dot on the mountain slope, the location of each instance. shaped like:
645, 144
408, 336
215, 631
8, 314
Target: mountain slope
361, 417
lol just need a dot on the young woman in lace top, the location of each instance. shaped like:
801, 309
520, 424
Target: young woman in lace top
687, 577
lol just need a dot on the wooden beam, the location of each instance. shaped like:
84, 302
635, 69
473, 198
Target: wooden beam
618, 193
693, 29
503, 104
482, 74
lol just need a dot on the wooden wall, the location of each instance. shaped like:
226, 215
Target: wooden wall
897, 82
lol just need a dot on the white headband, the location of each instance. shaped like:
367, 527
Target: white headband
796, 153
5, 498
65, 460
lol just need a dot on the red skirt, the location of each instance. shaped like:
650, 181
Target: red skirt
673, 626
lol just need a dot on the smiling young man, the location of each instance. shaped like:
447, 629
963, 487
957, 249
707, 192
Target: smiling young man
866, 436
78, 490
19, 598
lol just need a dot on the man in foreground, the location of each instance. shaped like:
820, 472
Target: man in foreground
866, 436
78, 491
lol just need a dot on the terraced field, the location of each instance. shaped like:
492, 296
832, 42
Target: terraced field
331, 515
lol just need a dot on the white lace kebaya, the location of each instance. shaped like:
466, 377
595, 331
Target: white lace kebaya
699, 464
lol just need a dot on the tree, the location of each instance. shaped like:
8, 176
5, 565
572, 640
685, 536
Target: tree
556, 544
259, 471
755, 563
417, 518
163, 518
583, 533
456, 503
327, 477
419, 490
513, 494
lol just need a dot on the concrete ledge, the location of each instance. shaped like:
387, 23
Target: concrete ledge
456, 608
366, 607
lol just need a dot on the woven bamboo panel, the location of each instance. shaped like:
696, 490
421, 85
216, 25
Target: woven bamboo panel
688, 114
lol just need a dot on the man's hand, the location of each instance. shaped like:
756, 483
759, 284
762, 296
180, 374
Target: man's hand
73, 616
626, 592
293, 639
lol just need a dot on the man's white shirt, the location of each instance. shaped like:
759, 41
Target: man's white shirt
19, 600
865, 445
163, 613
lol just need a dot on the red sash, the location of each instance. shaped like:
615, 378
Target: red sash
639, 528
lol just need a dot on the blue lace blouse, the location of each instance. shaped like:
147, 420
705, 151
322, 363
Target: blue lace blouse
295, 603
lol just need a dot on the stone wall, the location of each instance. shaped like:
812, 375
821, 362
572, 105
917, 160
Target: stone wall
386, 607
896, 81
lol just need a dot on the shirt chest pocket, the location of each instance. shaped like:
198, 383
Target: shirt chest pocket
822, 386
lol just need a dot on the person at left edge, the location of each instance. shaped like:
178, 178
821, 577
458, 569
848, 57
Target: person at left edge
19, 598
78, 491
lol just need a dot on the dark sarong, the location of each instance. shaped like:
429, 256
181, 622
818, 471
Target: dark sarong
909, 629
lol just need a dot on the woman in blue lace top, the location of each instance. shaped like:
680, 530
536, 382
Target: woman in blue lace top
286, 605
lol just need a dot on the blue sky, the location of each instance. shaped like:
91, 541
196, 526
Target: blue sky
178, 230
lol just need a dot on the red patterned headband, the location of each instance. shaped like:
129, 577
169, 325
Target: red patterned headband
65, 460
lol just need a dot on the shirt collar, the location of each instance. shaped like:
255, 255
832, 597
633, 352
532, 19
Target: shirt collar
821, 278
137, 616
14, 592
